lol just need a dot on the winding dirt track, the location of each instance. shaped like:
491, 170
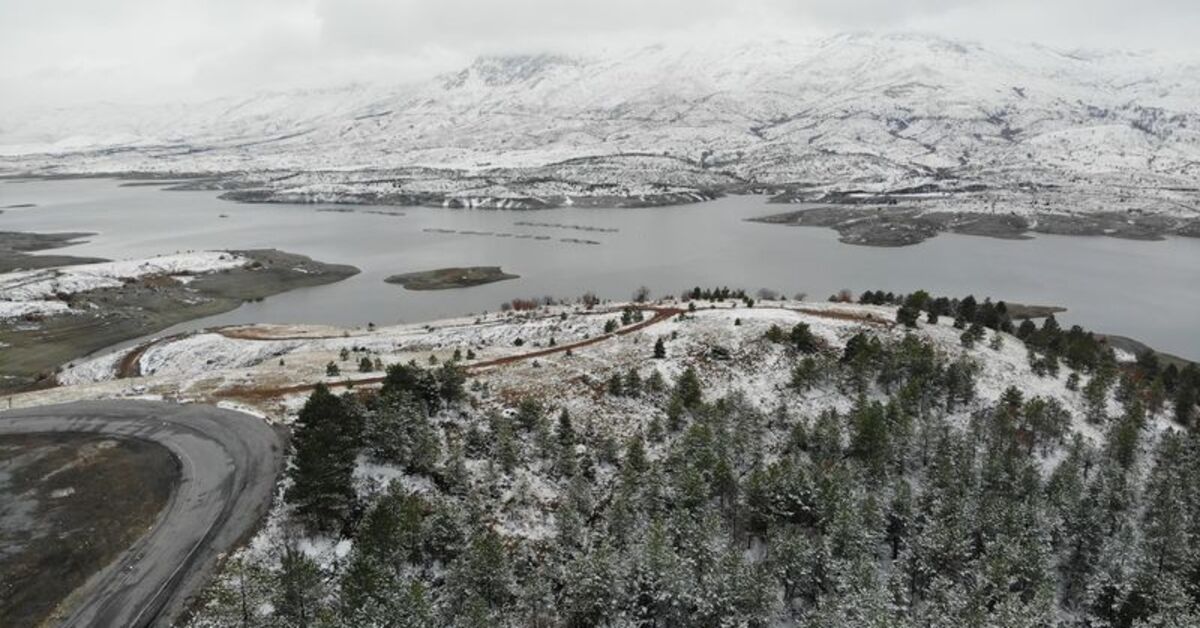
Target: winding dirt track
229, 463
128, 366
130, 363
660, 314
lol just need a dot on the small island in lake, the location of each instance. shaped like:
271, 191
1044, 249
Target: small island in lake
447, 278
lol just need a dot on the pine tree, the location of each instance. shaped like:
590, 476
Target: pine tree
1095, 396
688, 390
451, 380
442, 531
660, 349
616, 386
802, 338
1079, 526
364, 585
480, 576
454, 473
807, 374
326, 442
434, 388
591, 588
967, 307
566, 462
899, 518
869, 441
299, 594
398, 431
1156, 396
507, 449
634, 461
972, 335
633, 383
529, 413
1168, 532
536, 607
564, 431
1186, 397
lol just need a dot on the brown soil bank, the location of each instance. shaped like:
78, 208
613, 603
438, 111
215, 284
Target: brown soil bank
71, 504
448, 278
101, 318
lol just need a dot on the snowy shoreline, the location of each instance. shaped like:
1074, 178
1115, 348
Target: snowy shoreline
47, 291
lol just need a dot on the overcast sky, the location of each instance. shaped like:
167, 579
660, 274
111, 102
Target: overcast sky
70, 51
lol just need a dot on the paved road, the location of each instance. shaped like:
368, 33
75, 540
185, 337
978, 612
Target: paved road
229, 463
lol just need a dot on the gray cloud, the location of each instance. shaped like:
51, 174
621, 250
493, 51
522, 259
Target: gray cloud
62, 51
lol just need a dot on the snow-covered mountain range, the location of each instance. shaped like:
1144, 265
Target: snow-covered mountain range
854, 112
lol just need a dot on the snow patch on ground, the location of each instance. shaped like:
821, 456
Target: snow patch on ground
199, 353
42, 291
22, 309
98, 369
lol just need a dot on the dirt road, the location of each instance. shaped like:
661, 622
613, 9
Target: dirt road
660, 314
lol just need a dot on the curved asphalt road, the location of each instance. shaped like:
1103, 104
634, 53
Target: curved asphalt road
229, 463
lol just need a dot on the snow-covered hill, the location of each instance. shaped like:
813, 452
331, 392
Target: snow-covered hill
857, 457
851, 112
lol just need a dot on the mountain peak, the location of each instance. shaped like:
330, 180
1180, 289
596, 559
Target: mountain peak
507, 69
885, 109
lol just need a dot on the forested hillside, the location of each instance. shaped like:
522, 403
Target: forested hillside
747, 464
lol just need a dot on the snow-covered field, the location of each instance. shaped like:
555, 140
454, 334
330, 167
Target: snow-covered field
44, 291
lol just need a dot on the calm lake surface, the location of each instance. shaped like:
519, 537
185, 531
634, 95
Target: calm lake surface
1146, 290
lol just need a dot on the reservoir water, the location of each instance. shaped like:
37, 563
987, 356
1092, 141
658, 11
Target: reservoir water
1146, 290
